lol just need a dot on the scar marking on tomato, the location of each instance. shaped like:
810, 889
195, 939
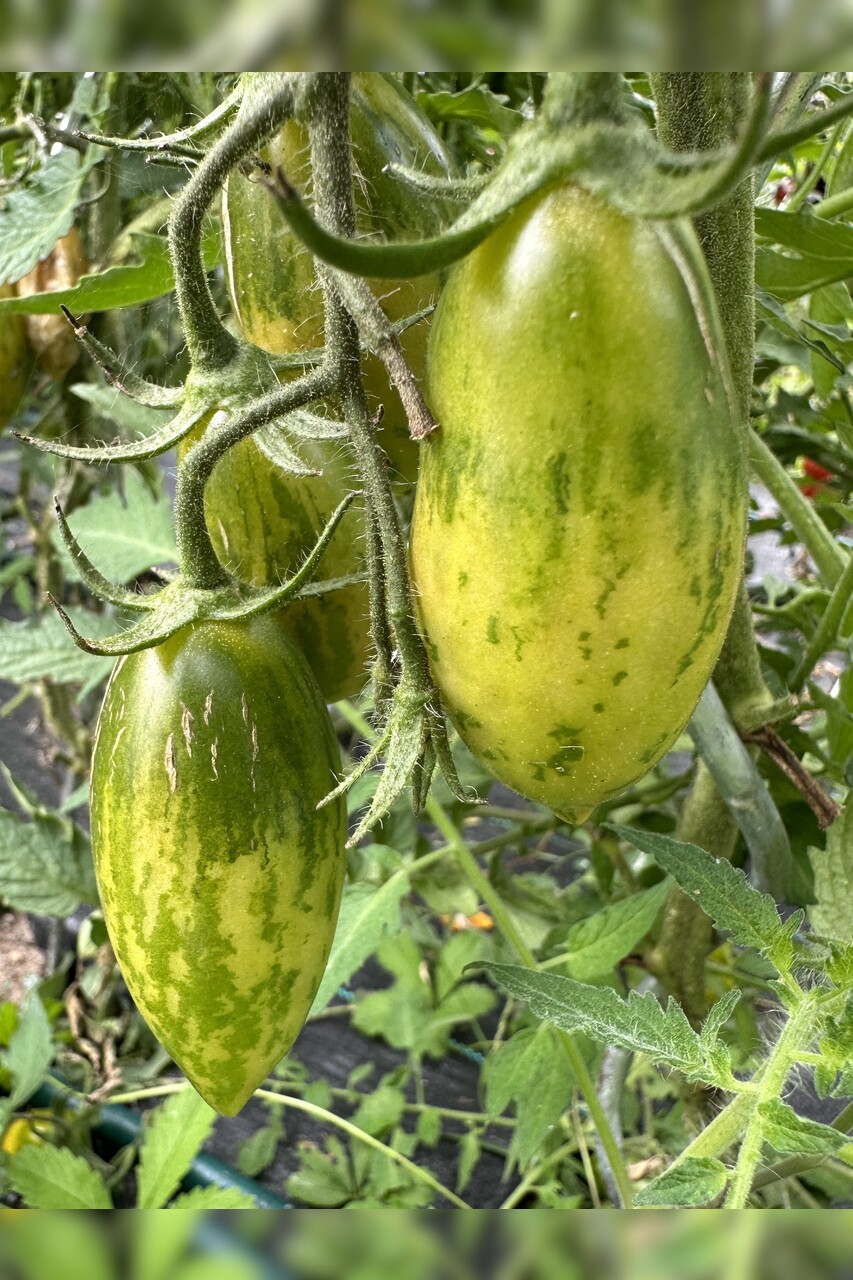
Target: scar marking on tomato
187, 718
171, 763
245, 708
208, 707
214, 751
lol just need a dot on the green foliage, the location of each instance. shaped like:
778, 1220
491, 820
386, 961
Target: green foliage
447, 905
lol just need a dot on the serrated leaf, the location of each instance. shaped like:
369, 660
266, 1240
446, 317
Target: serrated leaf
599, 942
717, 1018
45, 865
380, 1111
130, 284
532, 1054
639, 1023
469, 1154
691, 1184
258, 1151
109, 403
30, 1051
832, 913
122, 534
476, 104
39, 212
367, 916
42, 649
209, 1198
54, 1178
721, 890
791, 1134
176, 1132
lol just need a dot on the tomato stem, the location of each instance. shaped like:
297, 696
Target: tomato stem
392, 613
209, 343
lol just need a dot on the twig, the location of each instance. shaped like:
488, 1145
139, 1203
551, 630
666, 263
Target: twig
823, 806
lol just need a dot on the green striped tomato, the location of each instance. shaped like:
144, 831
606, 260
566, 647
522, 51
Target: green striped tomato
220, 880
580, 517
262, 521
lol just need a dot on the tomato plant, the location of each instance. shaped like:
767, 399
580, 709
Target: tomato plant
635, 998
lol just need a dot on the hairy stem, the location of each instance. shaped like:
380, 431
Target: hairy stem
703, 111
209, 343
330, 154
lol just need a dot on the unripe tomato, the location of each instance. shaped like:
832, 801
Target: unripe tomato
50, 336
580, 517
219, 878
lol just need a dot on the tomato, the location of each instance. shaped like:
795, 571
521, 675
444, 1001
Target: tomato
261, 520
15, 360
50, 336
220, 879
580, 518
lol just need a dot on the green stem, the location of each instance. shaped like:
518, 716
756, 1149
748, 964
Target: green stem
744, 792
579, 97
199, 565
795, 1034
530, 1179
209, 343
798, 511
353, 1131
330, 154
785, 140
687, 933
832, 206
507, 926
813, 176
705, 111
828, 627
737, 675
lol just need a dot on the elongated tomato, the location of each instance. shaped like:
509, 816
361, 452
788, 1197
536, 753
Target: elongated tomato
580, 517
219, 878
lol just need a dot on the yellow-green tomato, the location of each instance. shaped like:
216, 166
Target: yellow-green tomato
220, 879
580, 517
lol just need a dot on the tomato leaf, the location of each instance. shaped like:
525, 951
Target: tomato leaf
639, 1024
694, 1182
126, 285
598, 943
38, 213
45, 865
124, 534
41, 648
177, 1130
533, 1053
54, 1178
29, 1053
722, 891
832, 913
367, 915
791, 1134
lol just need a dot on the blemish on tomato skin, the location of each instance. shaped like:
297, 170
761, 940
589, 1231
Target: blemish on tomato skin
170, 762
208, 707
187, 718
